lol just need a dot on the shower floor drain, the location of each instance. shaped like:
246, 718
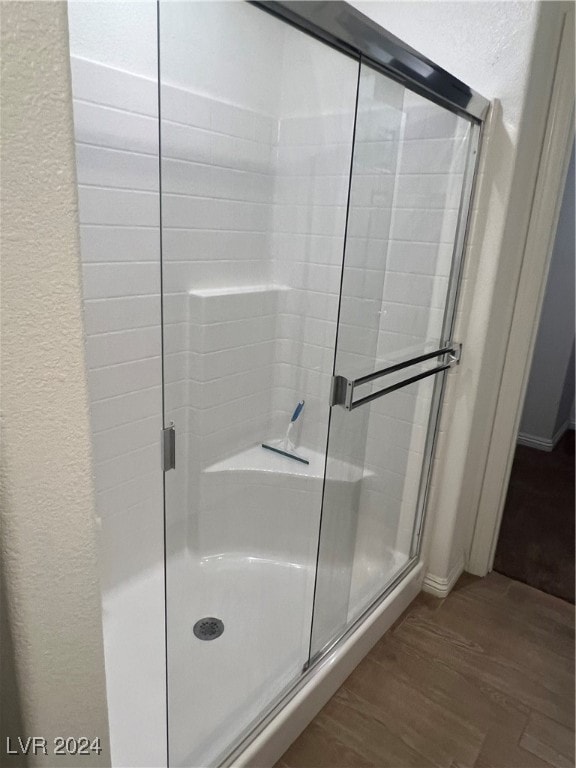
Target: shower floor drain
208, 628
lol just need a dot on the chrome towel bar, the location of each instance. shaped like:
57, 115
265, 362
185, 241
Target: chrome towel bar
342, 389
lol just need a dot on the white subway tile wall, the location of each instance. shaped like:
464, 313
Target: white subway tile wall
313, 164
254, 213
428, 185
116, 131
217, 184
256, 307
399, 244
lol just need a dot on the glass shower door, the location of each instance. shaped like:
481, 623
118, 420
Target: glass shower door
410, 185
256, 124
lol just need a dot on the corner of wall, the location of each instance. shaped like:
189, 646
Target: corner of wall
441, 586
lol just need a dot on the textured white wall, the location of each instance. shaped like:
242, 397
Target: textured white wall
550, 390
48, 543
485, 44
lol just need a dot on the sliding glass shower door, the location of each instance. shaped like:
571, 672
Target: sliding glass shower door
312, 215
257, 124
412, 165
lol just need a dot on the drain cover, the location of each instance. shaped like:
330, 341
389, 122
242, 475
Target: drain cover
208, 628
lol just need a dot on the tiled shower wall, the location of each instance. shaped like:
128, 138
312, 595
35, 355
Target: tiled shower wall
432, 158
313, 166
237, 361
214, 385
116, 130
220, 306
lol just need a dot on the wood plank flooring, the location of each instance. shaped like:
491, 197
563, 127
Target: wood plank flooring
484, 678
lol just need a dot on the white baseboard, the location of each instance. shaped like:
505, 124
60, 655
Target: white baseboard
544, 443
440, 586
531, 441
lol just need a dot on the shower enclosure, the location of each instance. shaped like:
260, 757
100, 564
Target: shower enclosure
313, 210
314, 182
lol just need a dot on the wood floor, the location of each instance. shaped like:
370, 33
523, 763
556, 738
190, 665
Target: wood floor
484, 678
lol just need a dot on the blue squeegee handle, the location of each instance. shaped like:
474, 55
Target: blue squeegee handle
297, 411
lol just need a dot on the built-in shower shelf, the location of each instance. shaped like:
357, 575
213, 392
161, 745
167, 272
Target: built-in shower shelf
258, 459
232, 303
204, 293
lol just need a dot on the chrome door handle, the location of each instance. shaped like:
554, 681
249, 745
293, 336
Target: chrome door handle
342, 389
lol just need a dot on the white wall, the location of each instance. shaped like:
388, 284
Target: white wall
485, 44
48, 542
550, 391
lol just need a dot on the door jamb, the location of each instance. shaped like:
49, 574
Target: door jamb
552, 170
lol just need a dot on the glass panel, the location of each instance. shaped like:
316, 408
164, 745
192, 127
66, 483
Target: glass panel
410, 158
256, 134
